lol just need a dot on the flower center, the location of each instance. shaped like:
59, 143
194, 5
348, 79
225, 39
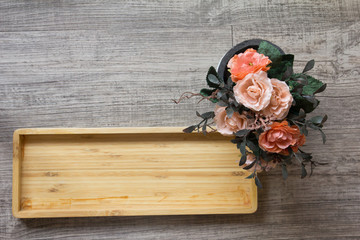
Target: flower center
251, 64
253, 92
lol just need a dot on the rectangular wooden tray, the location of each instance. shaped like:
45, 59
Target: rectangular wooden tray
127, 171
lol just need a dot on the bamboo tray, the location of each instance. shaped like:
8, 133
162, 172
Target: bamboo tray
127, 171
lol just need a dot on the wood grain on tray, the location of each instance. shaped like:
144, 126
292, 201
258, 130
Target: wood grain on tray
128, 171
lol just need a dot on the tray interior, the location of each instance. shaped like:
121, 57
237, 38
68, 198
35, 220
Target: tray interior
124, 173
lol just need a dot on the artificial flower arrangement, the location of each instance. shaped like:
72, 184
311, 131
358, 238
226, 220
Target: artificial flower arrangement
263, 104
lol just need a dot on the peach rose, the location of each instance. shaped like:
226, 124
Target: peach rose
227, 126
281, 136
248, 62
267, 166
280, 101
254, 91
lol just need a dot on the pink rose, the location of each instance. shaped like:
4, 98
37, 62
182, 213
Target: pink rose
226, 125
280, 101
254, 91
248, 62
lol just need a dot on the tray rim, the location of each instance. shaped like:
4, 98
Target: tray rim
18, 145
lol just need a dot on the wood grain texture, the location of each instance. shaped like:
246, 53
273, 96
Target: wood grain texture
127, 172
111, 64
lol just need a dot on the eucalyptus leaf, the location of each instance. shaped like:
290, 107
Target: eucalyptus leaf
257, 182
303, 171
242, 133
321, 89
208, 115
250, 176
229, 112
243, 148
242, 160
212, 78
323, 135
309, 65
189, 129
284, 172
317, 119
250, 165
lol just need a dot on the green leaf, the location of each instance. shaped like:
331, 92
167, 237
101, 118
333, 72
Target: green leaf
204, 127
212, 78
308, 104
257, 182
254, 147
312, 86
242, 133
316, 119
189, 129
208, 115
207, 92
270, 51
284, 172
279, 68
250, 165
309, 65
243, 148
242, 160
303, 171
250, 176
229, 112
322, 135
321, 89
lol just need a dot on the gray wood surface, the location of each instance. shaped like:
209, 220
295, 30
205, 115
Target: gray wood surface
118, 64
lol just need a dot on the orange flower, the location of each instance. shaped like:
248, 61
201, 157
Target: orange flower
248, 62
280, 137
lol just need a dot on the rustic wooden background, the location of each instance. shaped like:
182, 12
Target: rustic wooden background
118, 64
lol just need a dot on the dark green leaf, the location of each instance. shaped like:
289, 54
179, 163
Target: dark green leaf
316, 119
289, 71
303, 171
284, 172
324, 119
278, 68
321, 89
323, 135
189, 129
254, 148
198, 114
309, 65
242, 160
229, 112
270, 51
208, 115
242, 132
243, 148
303, 130
250, 176
257, 182
250, 165
204, 127
303, 103
221, 103
212, 78
207, 92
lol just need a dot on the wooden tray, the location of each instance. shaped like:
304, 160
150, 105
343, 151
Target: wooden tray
127, 171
